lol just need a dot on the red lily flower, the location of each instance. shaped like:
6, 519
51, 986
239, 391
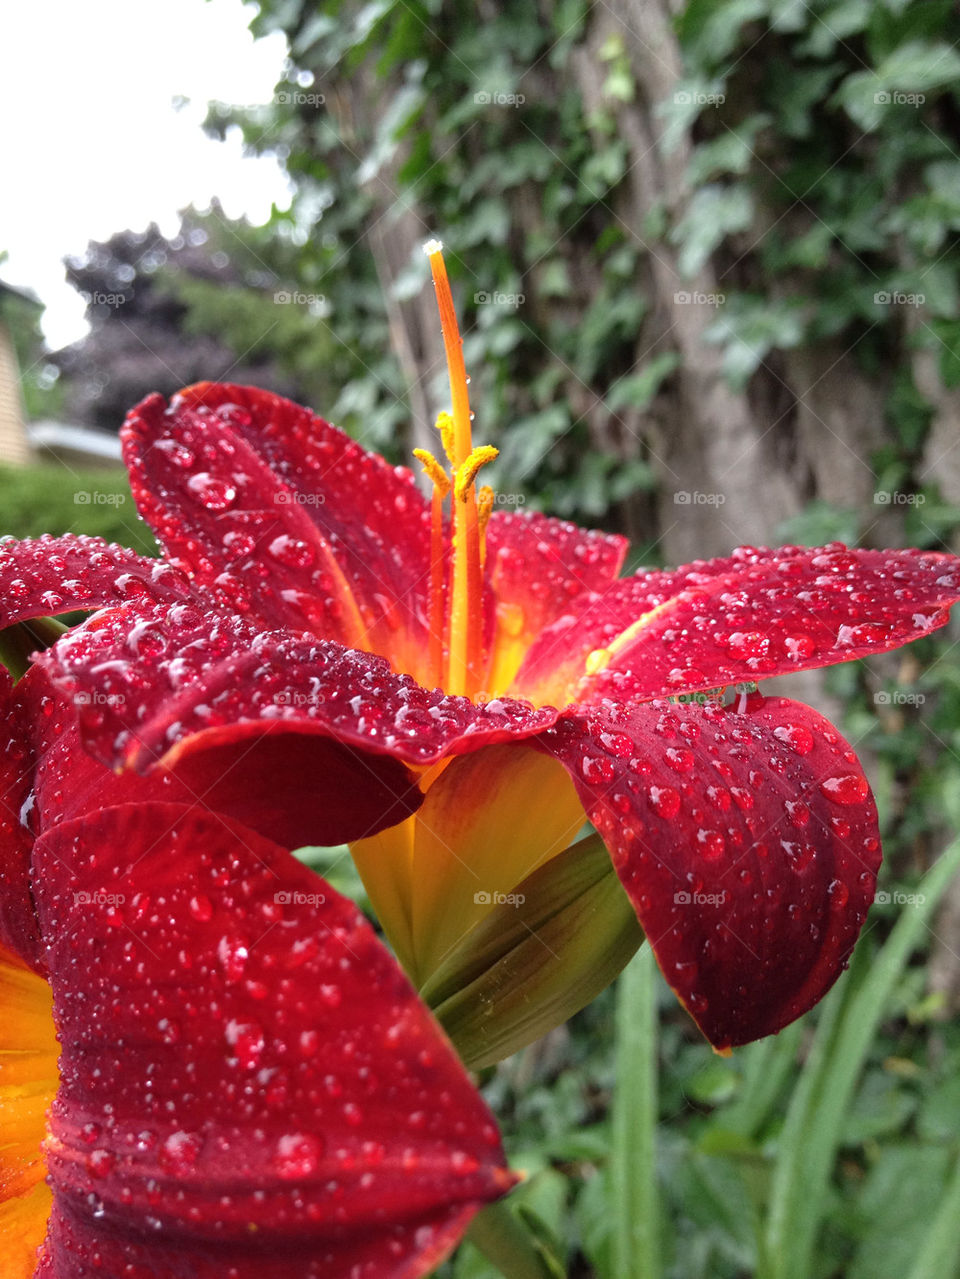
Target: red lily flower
331, 660
247, 1085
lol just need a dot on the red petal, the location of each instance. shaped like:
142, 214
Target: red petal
305, 740
18, 921
758, 614
539, 570
747, 842
249, 1085
287, 516
66, 781
44, 576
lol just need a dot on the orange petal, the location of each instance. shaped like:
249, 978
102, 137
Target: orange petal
28, 1080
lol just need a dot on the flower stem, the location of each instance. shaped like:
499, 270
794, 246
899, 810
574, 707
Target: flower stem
636, 1229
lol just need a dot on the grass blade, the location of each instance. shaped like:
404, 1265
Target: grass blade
633, 1184
809, 1141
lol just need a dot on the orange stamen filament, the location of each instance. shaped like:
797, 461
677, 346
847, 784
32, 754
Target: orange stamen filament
465, 635
441, 485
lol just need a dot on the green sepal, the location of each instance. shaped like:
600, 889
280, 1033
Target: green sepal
533, 962
19, 641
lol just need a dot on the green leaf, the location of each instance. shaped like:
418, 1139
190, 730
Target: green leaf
636, 390
900, 83
714, 212
810, 1137
633, 1159
534, 961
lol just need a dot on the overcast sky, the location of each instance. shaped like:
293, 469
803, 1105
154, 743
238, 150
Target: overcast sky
92, 143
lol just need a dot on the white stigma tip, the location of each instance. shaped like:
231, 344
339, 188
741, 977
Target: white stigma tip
433, 246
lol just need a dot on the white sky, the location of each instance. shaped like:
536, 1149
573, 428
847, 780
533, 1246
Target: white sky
92, 144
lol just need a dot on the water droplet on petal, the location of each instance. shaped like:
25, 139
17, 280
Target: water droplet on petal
211, 491
180, 1152
298, 1155
665, 800
849, 789
799, 739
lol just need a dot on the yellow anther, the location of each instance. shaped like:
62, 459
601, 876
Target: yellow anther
445, 426
438, 476
485, 498
466, 472
597, 660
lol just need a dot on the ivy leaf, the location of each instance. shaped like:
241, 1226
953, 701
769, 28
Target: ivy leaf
899, 84
713, 213
637, 390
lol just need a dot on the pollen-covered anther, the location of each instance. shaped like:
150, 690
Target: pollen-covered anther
466, 473
432, 468
445, 425
485, 500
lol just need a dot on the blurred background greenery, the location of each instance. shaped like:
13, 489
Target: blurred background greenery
706, 258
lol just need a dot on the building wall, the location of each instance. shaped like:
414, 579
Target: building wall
14, 447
